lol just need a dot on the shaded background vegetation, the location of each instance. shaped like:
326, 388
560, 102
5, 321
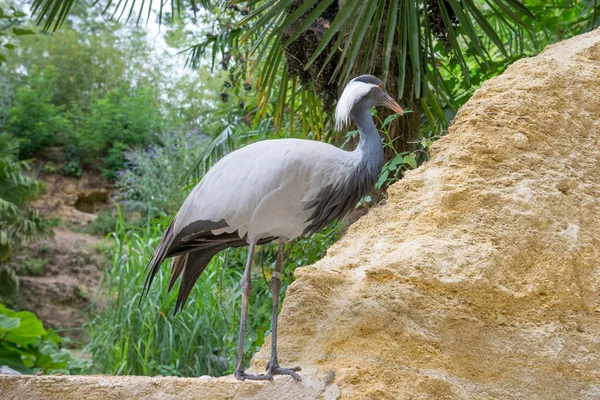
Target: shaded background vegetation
120, 102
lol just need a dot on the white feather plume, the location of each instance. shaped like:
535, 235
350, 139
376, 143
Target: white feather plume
353, 92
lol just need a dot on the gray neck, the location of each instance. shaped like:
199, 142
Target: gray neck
369, 150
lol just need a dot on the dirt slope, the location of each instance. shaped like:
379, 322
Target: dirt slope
60, 274
480, 279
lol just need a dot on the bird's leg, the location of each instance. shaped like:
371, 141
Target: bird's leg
246, 284
273, 367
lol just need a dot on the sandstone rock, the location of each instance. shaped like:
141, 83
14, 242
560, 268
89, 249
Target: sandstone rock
480, 278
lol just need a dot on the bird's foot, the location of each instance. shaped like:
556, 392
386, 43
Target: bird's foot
242, 376
277, 370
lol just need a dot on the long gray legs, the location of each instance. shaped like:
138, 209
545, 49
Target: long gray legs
246, 284
273, 367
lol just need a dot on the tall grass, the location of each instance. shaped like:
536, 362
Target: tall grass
129, 337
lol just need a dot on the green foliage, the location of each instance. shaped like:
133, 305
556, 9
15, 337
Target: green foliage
130, 337
33, 266
74, 89
72, 165
105, 223
33, 119
11, 21
153, 179
28, 348
16, 188
9, 284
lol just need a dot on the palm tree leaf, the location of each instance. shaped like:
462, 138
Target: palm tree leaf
414, 46
308, 21
274, 11
403, 38
373, 38
454, 42
293, 105
357, 41
390, 29
486, 27
512, 14
465, 22
356, 17
340, 19
520, 7
336, 46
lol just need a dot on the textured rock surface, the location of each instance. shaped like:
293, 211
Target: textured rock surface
480, 279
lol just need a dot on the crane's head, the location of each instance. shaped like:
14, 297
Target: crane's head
364, 91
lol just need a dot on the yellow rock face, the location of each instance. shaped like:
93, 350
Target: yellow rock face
480, 278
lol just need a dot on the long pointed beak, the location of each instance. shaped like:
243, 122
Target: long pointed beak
392, 105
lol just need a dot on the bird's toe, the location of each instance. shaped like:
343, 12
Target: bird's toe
242, 376
286, 371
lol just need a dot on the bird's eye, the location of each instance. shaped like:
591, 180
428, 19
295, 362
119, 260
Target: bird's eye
380, 86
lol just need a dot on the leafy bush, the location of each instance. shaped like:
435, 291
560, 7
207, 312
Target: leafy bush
27, 347
33, 266
153, 180
105, 223
114, 161
72, 166
108, 221
16, 188
122, 119
32, 118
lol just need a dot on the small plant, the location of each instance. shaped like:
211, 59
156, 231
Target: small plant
153, 180
392, 170
9, 284
27, 347
105, 223
114, 161
33, 267
49, 167
17, 221
82, 293
54, 221
73, 165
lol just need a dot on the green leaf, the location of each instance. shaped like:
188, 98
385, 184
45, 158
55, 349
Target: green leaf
382, 178
21, 32
8, 323
12, 358
390, 29
411, 160
398, 160
389, 120
414, 46
28, 331
357, 40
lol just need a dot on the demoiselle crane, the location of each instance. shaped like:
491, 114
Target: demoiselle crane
274, 190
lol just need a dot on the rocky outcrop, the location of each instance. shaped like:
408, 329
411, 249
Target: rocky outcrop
480, 278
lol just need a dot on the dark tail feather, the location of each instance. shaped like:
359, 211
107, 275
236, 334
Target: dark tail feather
160, 253
195, 263
178, 264
192, 254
